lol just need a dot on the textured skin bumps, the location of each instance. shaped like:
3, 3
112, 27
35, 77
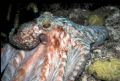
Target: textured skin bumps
55, 49
27, 35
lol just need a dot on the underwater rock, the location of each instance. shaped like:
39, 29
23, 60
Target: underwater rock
110, 48
113, 23
55, 52
78, 15
55, 6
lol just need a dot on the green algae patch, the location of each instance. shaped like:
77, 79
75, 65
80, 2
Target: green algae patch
108, 70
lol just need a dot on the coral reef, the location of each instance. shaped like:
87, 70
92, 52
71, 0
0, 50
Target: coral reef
107, 16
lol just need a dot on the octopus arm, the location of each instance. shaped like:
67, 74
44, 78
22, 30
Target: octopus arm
98, 35
24, 72
22, 63
9, 53
102, 35
93, 35
76, 61
5, 56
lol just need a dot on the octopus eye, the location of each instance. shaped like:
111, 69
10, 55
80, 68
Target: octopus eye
43, 38
47, 25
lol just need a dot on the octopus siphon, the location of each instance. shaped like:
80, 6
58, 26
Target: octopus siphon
49, 48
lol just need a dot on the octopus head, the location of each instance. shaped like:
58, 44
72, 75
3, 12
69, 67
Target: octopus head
30, 35
26, 36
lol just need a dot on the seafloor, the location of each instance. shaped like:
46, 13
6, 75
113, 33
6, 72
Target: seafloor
106, 16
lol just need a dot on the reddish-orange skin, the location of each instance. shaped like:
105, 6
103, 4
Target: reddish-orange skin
50, 49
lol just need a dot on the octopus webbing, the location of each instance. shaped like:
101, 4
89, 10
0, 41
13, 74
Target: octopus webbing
49, 48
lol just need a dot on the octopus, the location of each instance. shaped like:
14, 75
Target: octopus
49, 48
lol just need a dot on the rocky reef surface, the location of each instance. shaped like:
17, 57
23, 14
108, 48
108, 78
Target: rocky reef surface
106, 16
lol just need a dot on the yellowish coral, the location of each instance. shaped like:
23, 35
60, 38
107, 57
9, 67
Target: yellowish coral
95, 20
108, 70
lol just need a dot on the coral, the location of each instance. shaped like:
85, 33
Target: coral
14, 58
95, 19
108, 70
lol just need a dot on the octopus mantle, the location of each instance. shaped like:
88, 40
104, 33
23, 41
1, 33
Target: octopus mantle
49, 49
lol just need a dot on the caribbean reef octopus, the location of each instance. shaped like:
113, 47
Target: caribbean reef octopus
49, 48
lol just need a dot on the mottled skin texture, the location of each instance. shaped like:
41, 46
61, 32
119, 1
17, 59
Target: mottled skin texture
26, 37
62, 47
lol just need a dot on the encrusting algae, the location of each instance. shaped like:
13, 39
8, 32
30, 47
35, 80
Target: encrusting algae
108, 70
